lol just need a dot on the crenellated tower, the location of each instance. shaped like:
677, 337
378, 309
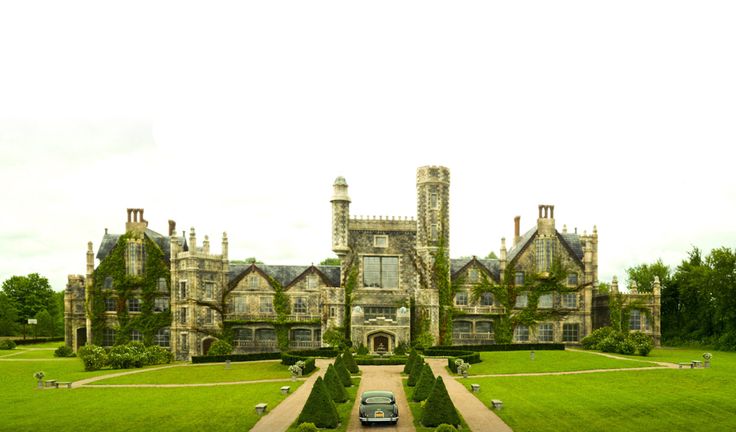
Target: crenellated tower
340, 216
433, 210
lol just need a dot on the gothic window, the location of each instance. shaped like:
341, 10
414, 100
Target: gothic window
380, 241
381, 272
300, 305
522, 299
570, 300
110, 304
135, 258
265, 334
546, 250
301, 335
483, 327
521, 333
183, 290
108, 282
209, 288
545, 301
461, 298
161, 285
182, 315
108, 337
545, 333
136, 336
519, 278
134, 305
473, 276
486, 299
266, 305
570, 332
572, 279
635, 320
161, 304
162, 336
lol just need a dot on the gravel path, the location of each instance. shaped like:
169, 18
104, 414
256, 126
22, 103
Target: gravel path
382, 378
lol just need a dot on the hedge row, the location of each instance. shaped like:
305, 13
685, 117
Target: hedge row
467, 356
37, 340
319, 352
369, 360
237, 357
289, 359
498, 347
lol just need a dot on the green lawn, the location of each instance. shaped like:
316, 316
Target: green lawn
416, 411
120, 409
672, 399
32, 354
507, 362
195, 374
343, 409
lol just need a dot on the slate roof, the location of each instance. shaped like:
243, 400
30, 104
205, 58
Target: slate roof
285, 274
492, 265
571, 239
514, 251
110, 240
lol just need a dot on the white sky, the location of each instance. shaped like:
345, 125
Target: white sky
237, 117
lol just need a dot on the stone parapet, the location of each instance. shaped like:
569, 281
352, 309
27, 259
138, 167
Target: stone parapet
382, 223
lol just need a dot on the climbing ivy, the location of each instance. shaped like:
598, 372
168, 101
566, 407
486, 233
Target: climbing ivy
620, 307
350, 283
125, 287
446, 290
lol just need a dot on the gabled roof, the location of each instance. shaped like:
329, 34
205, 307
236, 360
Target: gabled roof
284, 274
491, 265
110, 240
571, 241
523, 242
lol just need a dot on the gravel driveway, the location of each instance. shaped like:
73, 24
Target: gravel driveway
382, 378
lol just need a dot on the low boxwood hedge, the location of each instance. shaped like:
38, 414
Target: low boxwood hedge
38, 340
319, 352
370, 361
289, 359
499, 347
237, 357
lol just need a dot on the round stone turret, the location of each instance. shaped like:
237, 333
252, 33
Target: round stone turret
340, 216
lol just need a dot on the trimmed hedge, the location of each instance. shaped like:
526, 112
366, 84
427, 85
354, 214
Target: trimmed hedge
342, 372
369, 360
438, 408
334, 385
319, 352
37, 340
319, 408
416, 370
410, 362
288, 360
237, 357
424, 385
497, 347
349, 361
466, 356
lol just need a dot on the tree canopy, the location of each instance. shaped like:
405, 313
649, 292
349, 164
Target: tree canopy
333, 261
30, 295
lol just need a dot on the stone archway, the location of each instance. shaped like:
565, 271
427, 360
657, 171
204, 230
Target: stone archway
381, 342
206, 344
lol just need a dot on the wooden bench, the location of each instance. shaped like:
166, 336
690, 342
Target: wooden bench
261, 408
497, 404
690, 365
50, 383
285, 390
64, 384
697, 364
475, 387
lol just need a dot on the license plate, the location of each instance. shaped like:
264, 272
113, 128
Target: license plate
379, 414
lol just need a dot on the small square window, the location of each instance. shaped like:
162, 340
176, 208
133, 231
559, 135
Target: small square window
486, 299
522, 299
545, 332
545, 301
111, 304
570, 332
521, 333
136, 336
161, 304
572, 279
380, 241
300, 305
461, 298
266, 305
134, 305
570, 300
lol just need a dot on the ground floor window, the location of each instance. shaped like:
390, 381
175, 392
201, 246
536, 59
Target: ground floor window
521, 333
301, 335
635, 320
136, 336
162, 337
244, 334
570, 332
108, 337
545, 332
483, 327
462, 327
266, 334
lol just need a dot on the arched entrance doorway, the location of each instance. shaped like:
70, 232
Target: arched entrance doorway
81, 337
381, 342
206, 344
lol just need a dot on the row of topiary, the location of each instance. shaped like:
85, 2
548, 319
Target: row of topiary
320, 410
608, 339
130, 355
438, 408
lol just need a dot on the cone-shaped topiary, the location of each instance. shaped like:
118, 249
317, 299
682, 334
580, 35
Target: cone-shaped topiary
347, 358
334, 385
319, 408
424, 384
416, 370
410, 361
342, 372
439, 408
444, 427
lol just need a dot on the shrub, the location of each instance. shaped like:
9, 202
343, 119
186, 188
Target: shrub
342, 372
220, 347
349, 361
319, 352
499, 347
239, 357
410, 363
416, 370
727, 341
444, 427
362, 350
626, 346
7, 344
593, 340
642, 342
64, 351
94, 357
439, 408
611, 342
334, 385
425, 340
401, 349
158, 355
319, 408
127, 356
370, 360
307, 427
424, 384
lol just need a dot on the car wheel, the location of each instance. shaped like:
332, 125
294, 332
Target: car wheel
363, 422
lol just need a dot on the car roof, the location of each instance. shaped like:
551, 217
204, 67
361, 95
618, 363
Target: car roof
377, 393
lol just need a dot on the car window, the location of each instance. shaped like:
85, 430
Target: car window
378, 400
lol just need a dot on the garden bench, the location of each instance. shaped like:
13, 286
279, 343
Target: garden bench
50, 383
497, 404
64, 383
697, 364
285, 389
475, 387
261, 408
685, 364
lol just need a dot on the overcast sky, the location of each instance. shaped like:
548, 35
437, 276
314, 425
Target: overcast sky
238, 117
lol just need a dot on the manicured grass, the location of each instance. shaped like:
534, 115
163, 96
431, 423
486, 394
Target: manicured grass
343, 409
116, 409
681, 355
33, 354
416, 411
54, 345
659, 399
507, 362
194, 374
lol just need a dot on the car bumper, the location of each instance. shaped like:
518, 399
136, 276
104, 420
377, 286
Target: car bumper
379, 419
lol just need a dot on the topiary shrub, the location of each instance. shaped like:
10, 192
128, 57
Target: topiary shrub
362, 350
307, 427
439, 407
593, 340
342, 372
319, 408
94, 357
334, 385
401, 349
410, 363
424, 384
444, 427
64, 351
349, 361
7, 344
220, 347
416, 370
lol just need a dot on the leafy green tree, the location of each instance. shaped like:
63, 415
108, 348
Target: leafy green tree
30, 294
330, 262
644, 274
334, 385
44, 324
319, 408
439, 408
492, 255
424, 384
8, 316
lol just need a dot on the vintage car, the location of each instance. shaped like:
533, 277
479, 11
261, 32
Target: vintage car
378, 406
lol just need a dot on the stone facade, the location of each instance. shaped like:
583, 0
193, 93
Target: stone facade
210, 296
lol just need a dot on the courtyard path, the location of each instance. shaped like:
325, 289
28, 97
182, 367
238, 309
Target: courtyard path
478, 416
382, 378
613, 356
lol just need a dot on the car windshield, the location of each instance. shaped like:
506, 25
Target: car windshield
377, 400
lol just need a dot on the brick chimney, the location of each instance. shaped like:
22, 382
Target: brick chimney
517, 222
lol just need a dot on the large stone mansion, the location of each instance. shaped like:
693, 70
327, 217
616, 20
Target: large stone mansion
173, 291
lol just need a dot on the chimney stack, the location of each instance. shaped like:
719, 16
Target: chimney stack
517, 222
172, 228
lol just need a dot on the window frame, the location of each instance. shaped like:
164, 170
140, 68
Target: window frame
300, 303
542, 331
519, 331
131, 302
461, 295
566, 332
565, 303
383, 239
384, 272
483, 299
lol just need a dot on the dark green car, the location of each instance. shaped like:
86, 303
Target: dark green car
378, 406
